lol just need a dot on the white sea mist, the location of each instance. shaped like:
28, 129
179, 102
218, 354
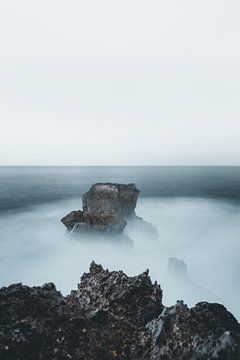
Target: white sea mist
202, 232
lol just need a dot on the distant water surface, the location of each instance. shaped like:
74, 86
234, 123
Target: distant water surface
25, 186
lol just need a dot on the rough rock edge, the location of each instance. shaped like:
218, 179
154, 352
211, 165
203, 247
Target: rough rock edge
111, 316
106, 206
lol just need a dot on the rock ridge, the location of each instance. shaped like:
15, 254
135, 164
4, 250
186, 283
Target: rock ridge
111, 316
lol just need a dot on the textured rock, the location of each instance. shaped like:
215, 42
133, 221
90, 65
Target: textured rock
39, 323
111, 316
135, 298
104, 222
111, 198
105, 209
72, 218
207, 331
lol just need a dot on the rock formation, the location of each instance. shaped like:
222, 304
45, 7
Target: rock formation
111, 316
106, 207
177, 267
206, 331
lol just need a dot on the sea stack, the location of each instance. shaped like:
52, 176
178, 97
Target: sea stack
106, 209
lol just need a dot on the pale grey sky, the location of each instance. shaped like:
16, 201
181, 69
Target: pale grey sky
119, 82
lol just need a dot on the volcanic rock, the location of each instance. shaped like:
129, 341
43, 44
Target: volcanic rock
40, 324
206, 331
135, 298
111, 316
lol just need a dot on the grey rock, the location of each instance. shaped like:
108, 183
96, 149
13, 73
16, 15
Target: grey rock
111, 198
106, 207
72, 218
177, 267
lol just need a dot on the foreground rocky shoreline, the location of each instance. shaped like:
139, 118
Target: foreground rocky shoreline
111, 316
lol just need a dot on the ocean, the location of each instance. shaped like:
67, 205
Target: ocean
196, 211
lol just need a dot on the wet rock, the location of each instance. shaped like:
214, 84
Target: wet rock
72, 218
135, 298
104, 222
206, 331
105, 209
39, 323
111, 316
111, 198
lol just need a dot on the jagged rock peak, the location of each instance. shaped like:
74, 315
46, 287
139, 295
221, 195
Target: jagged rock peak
135, 298
206, 331
112, 316
94, 268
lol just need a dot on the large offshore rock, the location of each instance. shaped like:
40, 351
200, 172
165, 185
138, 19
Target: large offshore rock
105, 209
111, 198
111, 316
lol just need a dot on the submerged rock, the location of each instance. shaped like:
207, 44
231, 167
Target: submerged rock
139, 228
111, 316
177, 267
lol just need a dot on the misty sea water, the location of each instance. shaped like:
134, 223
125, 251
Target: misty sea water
196, 211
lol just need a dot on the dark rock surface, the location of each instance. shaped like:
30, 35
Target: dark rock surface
135, 298
105, 209
72, 218
206, 331
111, 316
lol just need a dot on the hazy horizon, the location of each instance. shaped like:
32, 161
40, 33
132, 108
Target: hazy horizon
119, 82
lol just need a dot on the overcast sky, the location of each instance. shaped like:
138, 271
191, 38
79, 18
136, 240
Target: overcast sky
119, 82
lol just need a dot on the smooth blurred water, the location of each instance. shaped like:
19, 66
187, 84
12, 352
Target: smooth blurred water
195, 209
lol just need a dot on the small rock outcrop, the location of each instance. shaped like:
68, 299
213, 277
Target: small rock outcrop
74, 217
112, 316
177, 267
106, 207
